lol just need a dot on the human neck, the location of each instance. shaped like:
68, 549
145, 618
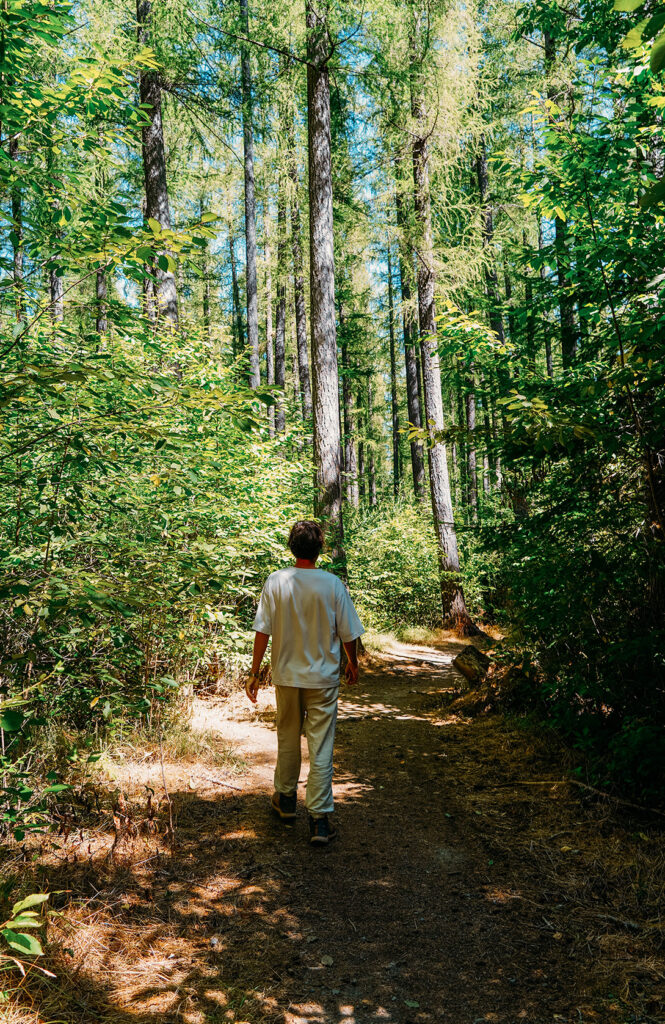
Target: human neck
305, 563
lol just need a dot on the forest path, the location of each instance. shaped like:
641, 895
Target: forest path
459, 890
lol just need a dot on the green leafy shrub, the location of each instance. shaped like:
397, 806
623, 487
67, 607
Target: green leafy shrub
393, 572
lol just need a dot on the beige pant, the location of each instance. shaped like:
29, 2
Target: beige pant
318, 708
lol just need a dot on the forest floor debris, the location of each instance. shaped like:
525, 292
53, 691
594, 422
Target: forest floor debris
456, 893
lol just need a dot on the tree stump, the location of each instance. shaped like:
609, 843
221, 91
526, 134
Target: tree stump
473, 664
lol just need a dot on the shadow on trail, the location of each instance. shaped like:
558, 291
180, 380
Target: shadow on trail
414, 915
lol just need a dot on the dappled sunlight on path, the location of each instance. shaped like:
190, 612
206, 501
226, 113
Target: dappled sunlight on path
444, 898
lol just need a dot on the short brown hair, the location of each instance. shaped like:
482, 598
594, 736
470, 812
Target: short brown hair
306, 540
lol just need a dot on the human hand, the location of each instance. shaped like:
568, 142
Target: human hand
351, 674
252, 688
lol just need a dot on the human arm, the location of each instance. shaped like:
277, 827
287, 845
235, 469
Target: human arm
349, 628
351, 673
252, 684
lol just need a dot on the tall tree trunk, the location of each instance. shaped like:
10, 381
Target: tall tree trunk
452, 595
154, 165
280, 314
205, 271
530, 315
491, 277
57, 293
549, 365
297, 404
566, 302
371, 468
206, 297
488, 460
250, 206
463, 447
495, 434
361, 448
299, 279
147, 283
472, 474
584, 303
270, 336
393, 380
371, 475
17, 238
492, 288
486, 473
508, 286
325, 376
419, 378
454, 461
350, 463
413, 400
410, 332
237, 308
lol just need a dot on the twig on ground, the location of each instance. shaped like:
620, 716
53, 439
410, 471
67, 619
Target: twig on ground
582, 785
632, 926
221, 782
166, 789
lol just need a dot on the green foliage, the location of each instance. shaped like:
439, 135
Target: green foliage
142, 499
18, 941
393, 572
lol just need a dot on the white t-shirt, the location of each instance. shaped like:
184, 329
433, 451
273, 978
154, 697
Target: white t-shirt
307, 612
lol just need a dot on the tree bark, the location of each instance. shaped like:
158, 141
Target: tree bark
239, 332
452, 595
280, 315
205, 272
154, 165
454, 461
299, 280
393, 381
530, 315
488, 458
371, 469
250, 206
491, 276
495, 434
566, 302
297, 404
327, 431
206, 297
57, 292
508, 288
361, 448
409, 331
463, 461
472, 474
350, 462
270, 336
549, 365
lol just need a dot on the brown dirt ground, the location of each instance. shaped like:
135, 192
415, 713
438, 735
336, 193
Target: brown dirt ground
469, 881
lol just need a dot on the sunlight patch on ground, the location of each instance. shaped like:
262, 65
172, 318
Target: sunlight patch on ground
349, 709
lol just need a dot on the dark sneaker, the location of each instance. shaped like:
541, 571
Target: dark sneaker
320, 831
284, 805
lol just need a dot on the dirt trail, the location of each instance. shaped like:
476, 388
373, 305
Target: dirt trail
458, 891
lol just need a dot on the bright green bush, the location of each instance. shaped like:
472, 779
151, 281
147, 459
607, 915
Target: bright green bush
393, 573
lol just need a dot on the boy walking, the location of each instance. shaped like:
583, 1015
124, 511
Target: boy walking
307, 611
